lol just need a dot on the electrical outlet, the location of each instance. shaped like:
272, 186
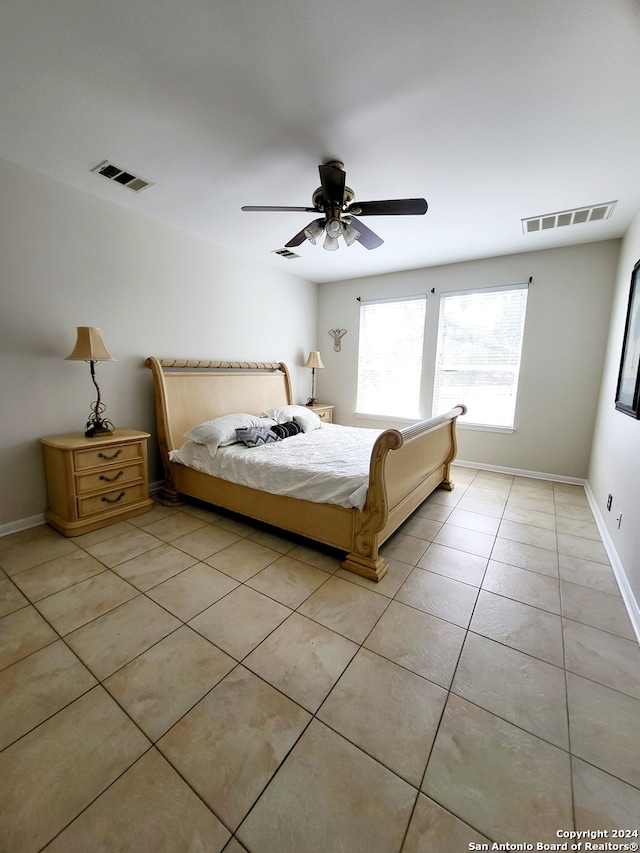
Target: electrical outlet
619, 519
609, 502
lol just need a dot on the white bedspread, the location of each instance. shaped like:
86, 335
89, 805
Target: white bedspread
327, 465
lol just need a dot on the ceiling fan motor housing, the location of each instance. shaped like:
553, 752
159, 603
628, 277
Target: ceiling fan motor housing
318, 201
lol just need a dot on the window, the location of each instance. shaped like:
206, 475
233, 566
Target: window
478, 353
390, 357
473, 359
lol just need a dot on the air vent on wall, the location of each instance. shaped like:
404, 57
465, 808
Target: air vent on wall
594, 213
285, 253
114, 173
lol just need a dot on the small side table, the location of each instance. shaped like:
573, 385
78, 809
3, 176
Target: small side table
92, 482
324, 412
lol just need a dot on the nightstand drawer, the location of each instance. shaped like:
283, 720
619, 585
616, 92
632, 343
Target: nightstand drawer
99, 457
95, 504
324, 412
121, 475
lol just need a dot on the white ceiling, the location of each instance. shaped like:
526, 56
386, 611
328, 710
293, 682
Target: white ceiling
493, 111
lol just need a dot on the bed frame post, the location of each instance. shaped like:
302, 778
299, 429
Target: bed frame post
373, 568
447, 483
365, 559
168, 493
169, 496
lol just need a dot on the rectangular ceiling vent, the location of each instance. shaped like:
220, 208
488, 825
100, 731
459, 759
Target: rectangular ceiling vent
114, 173
285, 253
577, 216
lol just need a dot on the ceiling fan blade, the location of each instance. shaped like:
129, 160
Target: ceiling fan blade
253, 207
297, 240
332, 181
367, 237
390, 207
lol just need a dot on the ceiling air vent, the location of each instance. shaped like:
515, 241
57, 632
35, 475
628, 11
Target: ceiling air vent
285, 253
114, 173
577, 216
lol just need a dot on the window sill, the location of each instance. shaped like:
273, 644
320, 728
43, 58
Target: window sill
485, 428
460, 424
391, 418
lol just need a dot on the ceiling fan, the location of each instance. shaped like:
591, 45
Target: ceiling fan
336, 202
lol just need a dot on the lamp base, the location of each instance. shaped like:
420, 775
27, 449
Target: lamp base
312, 401
98, 427
97, 430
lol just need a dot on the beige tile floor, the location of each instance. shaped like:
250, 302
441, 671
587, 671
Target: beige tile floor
187, 681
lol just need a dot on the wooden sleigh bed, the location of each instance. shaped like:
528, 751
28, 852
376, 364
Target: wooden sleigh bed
406, 465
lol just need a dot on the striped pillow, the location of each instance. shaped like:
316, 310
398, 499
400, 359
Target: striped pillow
256, 436
286, 430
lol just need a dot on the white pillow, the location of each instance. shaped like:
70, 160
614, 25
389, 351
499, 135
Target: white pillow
307, 419
221, 431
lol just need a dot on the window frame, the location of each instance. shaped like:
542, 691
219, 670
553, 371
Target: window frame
364, 303
430, 335
477, 291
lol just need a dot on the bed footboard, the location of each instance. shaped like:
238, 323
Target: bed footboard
406, 466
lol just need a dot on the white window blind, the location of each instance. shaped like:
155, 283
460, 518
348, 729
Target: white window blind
478, 353
390, 357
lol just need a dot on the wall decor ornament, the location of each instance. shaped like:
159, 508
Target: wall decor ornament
337, 335
628, 390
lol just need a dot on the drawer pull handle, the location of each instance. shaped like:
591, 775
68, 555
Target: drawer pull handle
115, 455
111, 479
113, 500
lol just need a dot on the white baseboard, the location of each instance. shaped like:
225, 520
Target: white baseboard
633, 609
519, 472
154, 488
21, 524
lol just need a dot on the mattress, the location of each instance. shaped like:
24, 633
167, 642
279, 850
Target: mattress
326, 465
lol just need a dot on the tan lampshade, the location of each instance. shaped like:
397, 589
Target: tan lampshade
314, 359
89, 346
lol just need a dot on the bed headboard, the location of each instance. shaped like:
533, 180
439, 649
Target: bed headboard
189, 392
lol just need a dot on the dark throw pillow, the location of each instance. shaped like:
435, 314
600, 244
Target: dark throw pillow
286, 430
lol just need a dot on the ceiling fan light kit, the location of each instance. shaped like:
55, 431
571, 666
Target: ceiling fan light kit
349, 233
336, 202
314, 231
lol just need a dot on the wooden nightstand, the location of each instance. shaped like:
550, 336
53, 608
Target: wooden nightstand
325, 413
92, 482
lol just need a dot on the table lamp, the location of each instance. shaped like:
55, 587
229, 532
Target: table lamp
313, 361
90, 347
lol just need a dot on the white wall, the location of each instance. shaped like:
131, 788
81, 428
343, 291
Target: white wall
68, 259
615, 460
564, 344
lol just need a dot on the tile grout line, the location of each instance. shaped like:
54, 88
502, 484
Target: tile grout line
360, 646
